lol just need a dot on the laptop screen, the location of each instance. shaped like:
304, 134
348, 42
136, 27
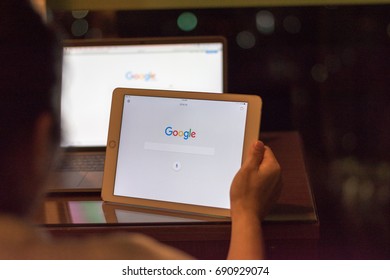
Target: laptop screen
92, 70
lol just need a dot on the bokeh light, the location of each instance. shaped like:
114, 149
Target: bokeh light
79, 14
246, 39
265, 22
319, 73
187, 21
79, 27
292, 24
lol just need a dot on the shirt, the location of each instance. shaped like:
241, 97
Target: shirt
21, 240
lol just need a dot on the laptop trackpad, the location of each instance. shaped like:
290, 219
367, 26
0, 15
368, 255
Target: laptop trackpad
92, 180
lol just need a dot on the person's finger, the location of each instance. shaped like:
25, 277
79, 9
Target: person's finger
255, 155
269, 159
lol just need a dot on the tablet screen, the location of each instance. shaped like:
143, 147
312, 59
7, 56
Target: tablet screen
179, 150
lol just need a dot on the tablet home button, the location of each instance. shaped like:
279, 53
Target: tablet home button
112, 144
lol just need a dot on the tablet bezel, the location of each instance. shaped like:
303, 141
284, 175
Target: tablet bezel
252, 129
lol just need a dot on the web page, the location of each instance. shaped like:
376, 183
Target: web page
91, 74
186, 151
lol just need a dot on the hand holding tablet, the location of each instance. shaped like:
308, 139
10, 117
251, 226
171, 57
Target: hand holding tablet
178, 150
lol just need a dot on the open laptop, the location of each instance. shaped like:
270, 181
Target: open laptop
93, 68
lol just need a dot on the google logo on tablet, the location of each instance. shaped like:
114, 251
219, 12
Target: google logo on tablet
169, 131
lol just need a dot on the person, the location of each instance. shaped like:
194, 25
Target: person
30, 56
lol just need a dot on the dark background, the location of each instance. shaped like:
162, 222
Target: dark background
323, 71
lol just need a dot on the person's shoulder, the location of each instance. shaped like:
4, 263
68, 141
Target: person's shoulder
129, 246
19, 240
118, 246
135, 246
112, 247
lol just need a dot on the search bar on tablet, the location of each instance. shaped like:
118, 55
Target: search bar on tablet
186, 149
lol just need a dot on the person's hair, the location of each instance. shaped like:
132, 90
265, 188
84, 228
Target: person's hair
30, 59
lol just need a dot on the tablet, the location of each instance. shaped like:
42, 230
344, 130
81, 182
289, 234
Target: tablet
177, 150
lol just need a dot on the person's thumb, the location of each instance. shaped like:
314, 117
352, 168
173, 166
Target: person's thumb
255, 155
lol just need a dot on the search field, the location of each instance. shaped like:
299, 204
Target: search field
195, 150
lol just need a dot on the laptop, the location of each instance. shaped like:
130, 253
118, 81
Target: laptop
183, 157
93, 68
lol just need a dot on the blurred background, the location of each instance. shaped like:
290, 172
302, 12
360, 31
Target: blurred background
321, 69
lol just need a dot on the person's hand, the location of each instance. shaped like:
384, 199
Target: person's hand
257, 185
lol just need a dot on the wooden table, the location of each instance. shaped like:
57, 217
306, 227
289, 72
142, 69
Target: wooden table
291, 230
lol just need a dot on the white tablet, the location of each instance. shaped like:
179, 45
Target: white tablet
177, 150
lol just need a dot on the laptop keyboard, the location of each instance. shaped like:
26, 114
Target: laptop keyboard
82, 163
